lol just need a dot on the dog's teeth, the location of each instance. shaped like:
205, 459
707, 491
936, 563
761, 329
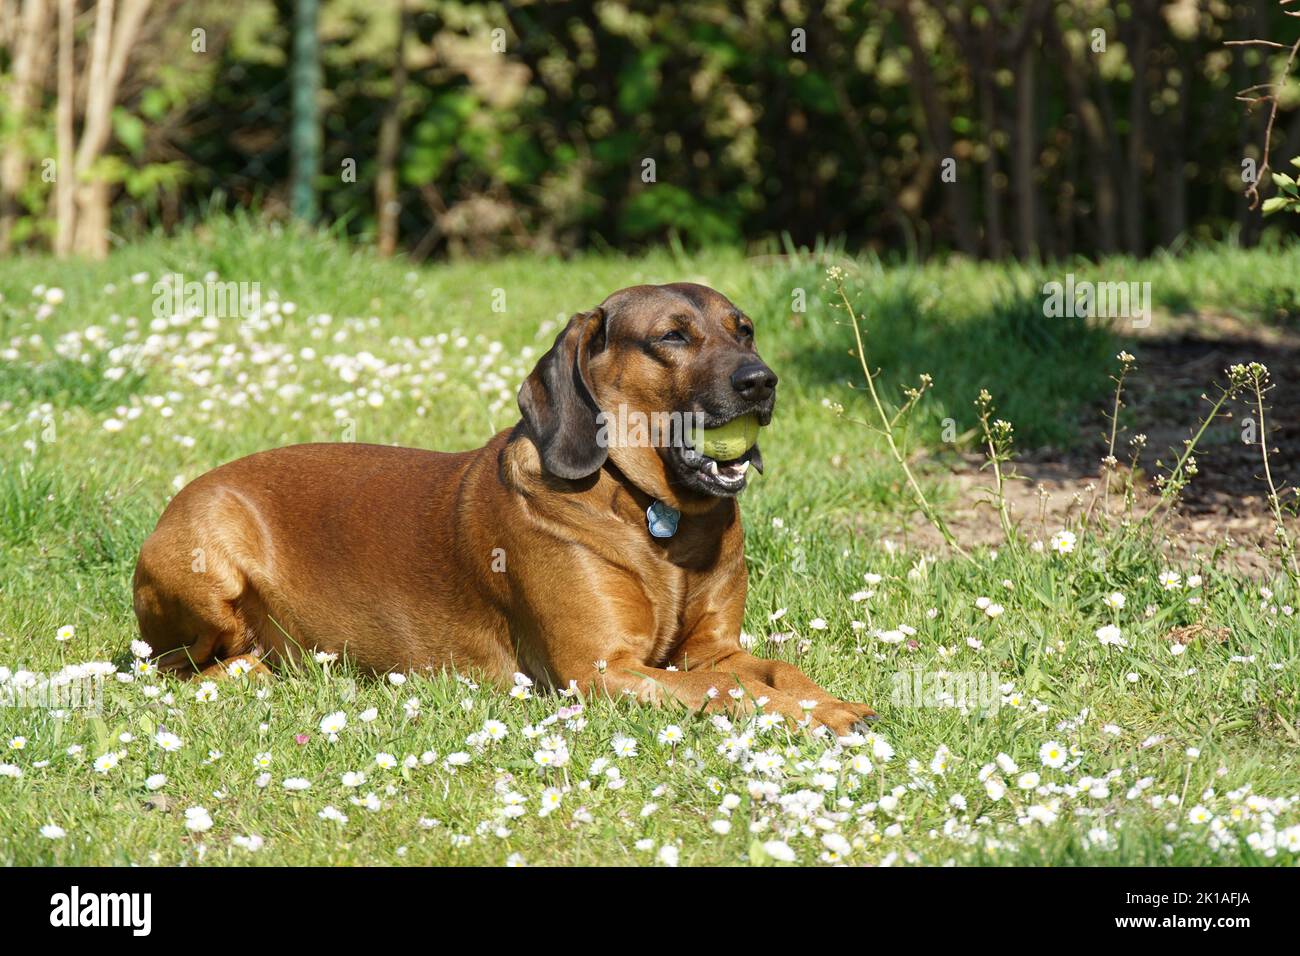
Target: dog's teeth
742, 467
711, 467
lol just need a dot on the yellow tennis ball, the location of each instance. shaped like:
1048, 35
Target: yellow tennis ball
731, 440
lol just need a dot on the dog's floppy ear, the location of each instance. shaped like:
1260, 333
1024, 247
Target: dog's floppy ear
557, 403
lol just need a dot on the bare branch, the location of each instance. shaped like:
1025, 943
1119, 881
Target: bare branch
1272, 97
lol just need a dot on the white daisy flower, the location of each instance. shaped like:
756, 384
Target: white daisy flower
106, 762
198, 819
1052, 754
333, 723
779, 850
1110, 635
1063, 542
671, 735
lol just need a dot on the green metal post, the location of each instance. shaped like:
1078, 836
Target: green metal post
305, 135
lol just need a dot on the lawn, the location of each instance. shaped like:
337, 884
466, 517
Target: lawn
1128, 747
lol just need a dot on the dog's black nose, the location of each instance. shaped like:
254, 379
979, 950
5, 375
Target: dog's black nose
754, 382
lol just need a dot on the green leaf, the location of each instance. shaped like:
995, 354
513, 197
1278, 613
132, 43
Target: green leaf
129, 129
153, 103
103, 738
639, 82
1274, 203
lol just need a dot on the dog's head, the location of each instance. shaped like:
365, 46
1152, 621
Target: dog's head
635, 378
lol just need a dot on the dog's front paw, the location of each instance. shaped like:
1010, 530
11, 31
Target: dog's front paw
866, 716
843, 718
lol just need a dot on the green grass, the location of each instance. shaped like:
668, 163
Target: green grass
76, 499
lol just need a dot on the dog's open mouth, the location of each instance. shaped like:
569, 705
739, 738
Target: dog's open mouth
728, 477
700, 473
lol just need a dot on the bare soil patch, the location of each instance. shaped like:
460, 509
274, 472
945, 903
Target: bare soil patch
1179, 359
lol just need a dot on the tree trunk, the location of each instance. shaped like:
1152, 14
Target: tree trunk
1026, 150
90, 236
1099, 143
1138, 110
387, 208
940, 127
979, 45
993, 189
110, 51
1173, 142
31, 54
65, 174
1019, 46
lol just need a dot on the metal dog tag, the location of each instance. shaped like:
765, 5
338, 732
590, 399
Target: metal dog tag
662, 519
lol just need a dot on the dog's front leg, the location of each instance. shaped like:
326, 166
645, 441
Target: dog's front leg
703, 690
707, 653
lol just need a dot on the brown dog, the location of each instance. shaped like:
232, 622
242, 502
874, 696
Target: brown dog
532, 554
